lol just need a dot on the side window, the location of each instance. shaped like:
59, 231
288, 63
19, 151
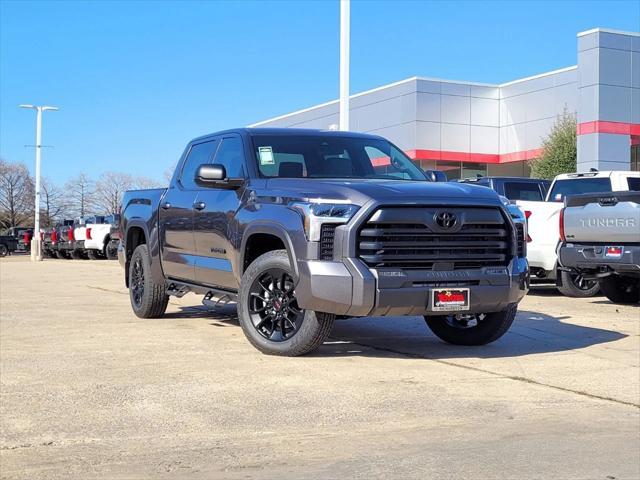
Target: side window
231, 155
199, 154
634, 183
523, 191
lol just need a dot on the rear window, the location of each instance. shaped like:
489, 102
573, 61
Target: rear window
523, 191
634, 183
574, 186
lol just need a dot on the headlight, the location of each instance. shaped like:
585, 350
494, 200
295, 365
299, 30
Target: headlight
315, 214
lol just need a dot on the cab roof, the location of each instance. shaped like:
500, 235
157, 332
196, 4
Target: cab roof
247, 132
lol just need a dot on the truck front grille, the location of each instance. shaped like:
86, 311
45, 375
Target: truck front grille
483, 240
327, 234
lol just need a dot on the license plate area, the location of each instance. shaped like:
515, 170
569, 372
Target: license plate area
613, 252
449, 299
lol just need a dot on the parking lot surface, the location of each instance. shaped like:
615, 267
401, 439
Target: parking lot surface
88, 390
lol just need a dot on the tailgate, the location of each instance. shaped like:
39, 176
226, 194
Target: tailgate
603, 218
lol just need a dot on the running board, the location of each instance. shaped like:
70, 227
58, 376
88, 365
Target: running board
214, 296
219, 298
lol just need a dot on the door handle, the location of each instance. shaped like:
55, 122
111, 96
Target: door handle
199, 205
166, 206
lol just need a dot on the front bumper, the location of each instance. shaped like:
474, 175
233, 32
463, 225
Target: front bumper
585, 257
351, 288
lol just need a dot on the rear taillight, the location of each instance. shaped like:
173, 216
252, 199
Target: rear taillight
527, 214
54, 236
70, 235
561, 218
88, 234
26, 238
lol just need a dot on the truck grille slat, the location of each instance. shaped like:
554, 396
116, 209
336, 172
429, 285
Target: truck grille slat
327, 235
385, 244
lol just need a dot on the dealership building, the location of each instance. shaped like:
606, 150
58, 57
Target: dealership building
468, 128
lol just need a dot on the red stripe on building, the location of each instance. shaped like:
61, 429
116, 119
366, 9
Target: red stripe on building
617, 128
474, 157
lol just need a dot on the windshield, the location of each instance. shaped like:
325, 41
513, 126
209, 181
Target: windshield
574, 186
332, 156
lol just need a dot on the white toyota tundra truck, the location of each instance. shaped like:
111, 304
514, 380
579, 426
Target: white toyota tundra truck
544, 232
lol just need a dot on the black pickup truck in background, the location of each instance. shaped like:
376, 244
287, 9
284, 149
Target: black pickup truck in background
301, 226
514, 188
8, 244
16, 239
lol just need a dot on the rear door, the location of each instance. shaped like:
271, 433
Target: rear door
214, 217
176, 214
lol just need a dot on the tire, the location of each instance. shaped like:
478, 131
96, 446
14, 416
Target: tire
487, 329
148, 297
4, 251
110, 252
76, 254
574, 285
293, 331
621, 289
93, 255
62, 254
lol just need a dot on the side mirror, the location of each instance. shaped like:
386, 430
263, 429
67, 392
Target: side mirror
436, 175
208, 173
215, 176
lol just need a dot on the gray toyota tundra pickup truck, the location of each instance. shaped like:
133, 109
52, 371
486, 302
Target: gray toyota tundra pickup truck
600, 239
302, 226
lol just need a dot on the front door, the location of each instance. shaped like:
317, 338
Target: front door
213, 225
176, 216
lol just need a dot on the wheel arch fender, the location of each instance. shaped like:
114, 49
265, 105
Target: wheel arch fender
151, 240
268, 228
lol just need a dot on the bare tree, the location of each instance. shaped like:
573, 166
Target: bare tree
52, 201
16, 194
80, 192
168, 173
146, 182
109, 190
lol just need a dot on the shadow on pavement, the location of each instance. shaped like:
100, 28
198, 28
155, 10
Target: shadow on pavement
531, 333
226, 314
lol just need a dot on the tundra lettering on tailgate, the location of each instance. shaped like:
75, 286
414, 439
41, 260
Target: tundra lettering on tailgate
608, 222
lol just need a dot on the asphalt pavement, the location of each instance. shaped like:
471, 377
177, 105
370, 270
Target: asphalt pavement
88, 390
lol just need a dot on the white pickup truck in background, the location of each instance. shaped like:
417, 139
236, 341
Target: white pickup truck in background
98, 242
600, 236
544, 230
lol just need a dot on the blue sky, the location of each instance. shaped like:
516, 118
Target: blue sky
136, 80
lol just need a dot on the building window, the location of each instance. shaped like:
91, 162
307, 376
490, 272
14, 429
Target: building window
451, 169
635, 158
474, 170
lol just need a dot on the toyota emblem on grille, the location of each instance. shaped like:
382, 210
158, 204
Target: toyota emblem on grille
446, 220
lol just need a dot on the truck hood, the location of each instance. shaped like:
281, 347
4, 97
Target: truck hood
360, 192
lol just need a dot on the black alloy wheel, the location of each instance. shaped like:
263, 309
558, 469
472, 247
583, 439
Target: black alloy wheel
273, 308
464, 321
137, 282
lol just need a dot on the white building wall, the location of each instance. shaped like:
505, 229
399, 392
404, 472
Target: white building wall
508, 121
530, 107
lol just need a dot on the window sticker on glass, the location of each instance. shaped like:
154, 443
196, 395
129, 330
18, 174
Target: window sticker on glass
266, 155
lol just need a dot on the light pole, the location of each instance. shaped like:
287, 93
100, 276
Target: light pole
345, 21
36, 255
